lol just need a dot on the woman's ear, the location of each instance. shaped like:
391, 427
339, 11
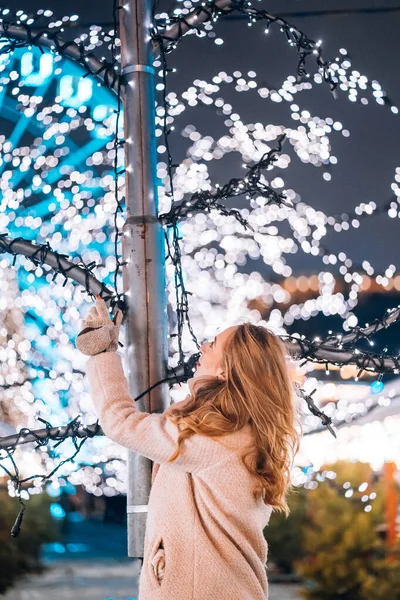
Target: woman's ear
221, 374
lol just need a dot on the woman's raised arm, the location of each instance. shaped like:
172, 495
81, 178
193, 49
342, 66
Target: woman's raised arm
149, 434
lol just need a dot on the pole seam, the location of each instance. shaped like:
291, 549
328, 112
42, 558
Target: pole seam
138, 68
136, 508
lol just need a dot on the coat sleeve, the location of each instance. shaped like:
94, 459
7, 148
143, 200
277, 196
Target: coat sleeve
149, 434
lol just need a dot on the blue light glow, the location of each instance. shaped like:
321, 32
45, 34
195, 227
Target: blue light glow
377, 387
53, 490
57, 511
74, 91
35, 69
100, 112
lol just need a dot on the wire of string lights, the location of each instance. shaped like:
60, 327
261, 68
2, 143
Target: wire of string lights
317, 223
213, 10
40, 29
37, 31
167, 33
250, 185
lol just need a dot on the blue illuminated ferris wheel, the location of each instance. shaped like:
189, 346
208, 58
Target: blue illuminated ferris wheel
56, 163
57, 128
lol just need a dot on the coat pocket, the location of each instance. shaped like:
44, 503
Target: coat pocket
158, 561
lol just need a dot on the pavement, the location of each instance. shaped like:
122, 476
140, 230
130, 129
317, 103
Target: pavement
92, 565
100, 580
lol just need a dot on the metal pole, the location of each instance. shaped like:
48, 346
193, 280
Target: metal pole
143, 248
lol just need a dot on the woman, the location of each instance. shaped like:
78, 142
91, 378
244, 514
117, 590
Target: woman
223, 457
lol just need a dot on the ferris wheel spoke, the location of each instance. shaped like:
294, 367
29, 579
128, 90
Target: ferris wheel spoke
48, 144
21, 126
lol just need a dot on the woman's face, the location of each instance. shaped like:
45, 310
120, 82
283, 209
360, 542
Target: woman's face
210, 362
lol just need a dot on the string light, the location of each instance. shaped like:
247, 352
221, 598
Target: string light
216, 285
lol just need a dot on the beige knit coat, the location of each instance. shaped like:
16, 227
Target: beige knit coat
200, 506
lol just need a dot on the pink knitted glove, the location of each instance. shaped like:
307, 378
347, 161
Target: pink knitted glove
99, 333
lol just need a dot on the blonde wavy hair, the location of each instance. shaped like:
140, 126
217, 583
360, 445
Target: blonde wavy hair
257, 390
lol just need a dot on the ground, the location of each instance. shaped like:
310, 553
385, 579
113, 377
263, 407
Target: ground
100, 580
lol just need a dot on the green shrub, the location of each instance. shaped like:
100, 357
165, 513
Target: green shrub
285, 535
343, 556
22, 554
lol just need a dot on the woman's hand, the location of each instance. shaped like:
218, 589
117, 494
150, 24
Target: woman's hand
99, 333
